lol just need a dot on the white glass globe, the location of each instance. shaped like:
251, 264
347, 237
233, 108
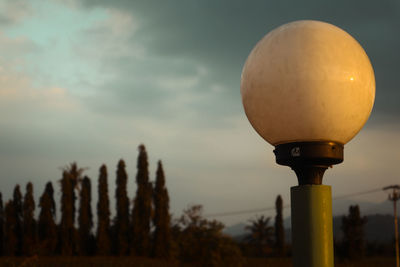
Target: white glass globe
307, 81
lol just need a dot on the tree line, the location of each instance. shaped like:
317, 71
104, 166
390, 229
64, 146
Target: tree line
354, 245
144, 230
265, 240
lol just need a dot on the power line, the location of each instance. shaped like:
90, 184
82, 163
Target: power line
240, 212
358, 193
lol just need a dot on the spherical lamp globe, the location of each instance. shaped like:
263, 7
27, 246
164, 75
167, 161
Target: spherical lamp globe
308, 82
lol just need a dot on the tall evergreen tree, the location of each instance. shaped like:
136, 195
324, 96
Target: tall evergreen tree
29, 223
49, 190
122, 216
10, 237
47, 228
2, 221
142, 209
85, 218
67, 229
162, 233
353, 230
278, 227
72, 175
18, 228
103, 214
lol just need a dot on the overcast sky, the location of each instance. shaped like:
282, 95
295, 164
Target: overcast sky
89, 81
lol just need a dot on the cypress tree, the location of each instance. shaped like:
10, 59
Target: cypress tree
47, 228
10, 236
162, 233
279, 229
142, 209
29, 223
103, 214
353, 230
18, 228
122, 216
72, 175
85, 218
2, 220
67, 217
50, 192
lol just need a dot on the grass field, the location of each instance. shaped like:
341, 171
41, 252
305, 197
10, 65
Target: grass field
140, 262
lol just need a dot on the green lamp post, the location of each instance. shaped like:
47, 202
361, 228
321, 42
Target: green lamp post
308, 88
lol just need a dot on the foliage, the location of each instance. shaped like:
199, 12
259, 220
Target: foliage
72, 175
122, 216
142, 209
18, 228
29, 222
260, 237
202, 241
85, 219
47, 228
103, 214
162, 233
10, 237
2, 218
279, 230
353, 245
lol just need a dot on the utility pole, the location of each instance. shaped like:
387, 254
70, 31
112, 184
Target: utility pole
394, 196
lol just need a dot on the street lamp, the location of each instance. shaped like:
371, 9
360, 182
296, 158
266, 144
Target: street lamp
308, 88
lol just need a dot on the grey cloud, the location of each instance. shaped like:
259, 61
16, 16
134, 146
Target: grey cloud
14, 11
220, 34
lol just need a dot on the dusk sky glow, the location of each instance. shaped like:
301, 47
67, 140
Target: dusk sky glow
88, 81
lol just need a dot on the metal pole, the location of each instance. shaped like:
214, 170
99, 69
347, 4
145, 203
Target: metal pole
396, 232
394, 196
312, 237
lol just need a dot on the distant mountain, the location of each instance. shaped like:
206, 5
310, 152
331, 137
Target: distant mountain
379, 227
236, 229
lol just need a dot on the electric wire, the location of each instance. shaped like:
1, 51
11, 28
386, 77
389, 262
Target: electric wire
358, 193
240, 212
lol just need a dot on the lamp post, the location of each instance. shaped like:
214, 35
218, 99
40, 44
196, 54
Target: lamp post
308, 88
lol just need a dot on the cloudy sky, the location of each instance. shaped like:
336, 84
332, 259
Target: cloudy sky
89, 81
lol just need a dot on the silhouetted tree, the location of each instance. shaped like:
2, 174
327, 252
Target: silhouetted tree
49, 190
201, 241
85, 218
122, 216
103, 214
142, 209
2, 221
11, 239
29, 223
67, 230
353, 230
47, 228
72, 176
260, 236
162, 233
17, 202
278, 228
